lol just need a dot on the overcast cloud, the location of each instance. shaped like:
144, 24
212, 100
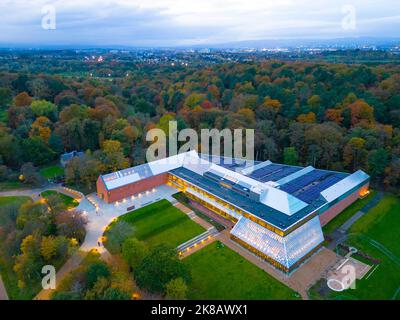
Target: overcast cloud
188, 22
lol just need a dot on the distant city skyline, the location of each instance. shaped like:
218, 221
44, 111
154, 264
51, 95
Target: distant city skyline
187, 22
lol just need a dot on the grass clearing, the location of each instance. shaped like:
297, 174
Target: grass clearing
69, 202
161, 222
377, 234
52, 172
220, 273
5, 201
12, 185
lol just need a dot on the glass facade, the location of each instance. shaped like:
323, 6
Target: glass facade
286, 251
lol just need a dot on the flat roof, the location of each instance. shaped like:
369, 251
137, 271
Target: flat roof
268, 214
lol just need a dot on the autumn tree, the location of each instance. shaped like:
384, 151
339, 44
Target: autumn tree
354, 152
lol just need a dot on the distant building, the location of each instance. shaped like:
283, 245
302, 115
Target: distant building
66, 157
278, 210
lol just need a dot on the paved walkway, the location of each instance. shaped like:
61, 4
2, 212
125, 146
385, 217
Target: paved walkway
107, 212
3, 292
372, 203
340, 234
206, 225
35, 193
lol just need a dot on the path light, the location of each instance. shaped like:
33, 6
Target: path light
136, 296
133, 197
154, 190
124, 201
188, 249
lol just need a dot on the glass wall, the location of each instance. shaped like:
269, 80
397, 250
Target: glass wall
288, 250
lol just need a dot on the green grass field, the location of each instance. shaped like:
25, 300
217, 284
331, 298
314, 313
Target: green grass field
220, 273
12, 185
68, 201
347, 213
4, 201
377, 234
52, 172
161, 222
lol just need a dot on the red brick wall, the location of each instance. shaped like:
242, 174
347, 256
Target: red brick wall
332, 212
130, 189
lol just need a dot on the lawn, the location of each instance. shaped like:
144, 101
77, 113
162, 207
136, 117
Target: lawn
68, 201
220, 273
52, 172
377, 234
12, 185
347, 213
161, 222
5, 201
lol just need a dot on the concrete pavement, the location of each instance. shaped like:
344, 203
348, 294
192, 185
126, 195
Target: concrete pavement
3, 292
107, 212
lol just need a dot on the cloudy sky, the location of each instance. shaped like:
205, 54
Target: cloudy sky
190, 22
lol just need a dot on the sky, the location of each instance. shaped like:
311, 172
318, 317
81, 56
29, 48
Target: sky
189, 22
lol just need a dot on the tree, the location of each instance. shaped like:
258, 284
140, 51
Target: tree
98, 290
134, 251
72, 224
96, 271
30, 174
28, 264
307, 118
377, 162
176, 289
41, 128
115, 294
22, 100
48, 248
290, 156
159, 267
5, 97
116, 236
43, 108
354, 151
361, 112
35, 150
113, 157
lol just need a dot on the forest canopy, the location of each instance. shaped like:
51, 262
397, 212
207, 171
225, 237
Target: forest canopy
329, 115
